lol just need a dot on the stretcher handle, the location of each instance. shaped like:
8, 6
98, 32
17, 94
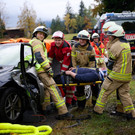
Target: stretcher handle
80, 84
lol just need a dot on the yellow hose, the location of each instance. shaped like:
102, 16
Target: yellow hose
18, 129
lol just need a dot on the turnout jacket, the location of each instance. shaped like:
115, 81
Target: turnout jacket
120, 60
61, 53
83, 56
40, 53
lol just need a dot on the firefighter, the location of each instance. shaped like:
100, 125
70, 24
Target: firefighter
119, 72
61, 51
119, 108
83, 55
99, 50
105, 27
45, 73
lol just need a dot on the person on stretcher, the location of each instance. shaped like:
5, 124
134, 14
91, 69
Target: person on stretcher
81, 75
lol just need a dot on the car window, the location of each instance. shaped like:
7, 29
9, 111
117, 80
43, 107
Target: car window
10, 54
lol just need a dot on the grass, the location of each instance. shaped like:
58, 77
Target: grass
99, 125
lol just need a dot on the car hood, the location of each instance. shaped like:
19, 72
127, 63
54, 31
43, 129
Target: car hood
5, 74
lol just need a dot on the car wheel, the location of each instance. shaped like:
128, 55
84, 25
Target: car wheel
11, 106
87, 91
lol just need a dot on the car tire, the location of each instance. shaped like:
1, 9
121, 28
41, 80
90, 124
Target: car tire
11, 106
88, 91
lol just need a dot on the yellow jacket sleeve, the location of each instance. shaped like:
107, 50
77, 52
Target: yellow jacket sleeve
39, 52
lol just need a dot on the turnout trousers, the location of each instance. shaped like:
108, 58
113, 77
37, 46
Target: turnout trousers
108, 87
52, 91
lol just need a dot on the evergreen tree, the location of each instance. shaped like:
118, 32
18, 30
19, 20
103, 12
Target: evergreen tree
82, 9
57, 24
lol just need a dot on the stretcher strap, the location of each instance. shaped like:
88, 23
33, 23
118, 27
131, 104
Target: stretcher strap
81, 84
17, 129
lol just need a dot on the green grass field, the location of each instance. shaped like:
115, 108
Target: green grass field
99, 125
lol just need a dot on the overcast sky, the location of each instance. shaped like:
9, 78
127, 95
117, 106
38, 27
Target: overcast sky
45, 9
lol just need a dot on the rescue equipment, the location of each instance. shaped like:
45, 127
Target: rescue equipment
18, 129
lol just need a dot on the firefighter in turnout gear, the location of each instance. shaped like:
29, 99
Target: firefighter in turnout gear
45, 72
61, 51
119, 72
119, 108
99, 50
83, 55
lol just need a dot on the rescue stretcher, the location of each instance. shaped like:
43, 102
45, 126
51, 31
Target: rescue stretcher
69, 81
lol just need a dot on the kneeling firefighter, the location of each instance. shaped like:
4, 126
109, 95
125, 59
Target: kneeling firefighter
45, 72
83, 55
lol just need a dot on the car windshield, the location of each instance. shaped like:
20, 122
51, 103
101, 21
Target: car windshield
10, 54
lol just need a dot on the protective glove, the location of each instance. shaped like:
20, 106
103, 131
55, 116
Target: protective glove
50, 71
63, 78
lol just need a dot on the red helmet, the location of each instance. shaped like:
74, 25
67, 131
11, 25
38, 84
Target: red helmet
58, 34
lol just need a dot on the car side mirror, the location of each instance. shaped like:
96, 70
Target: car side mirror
26, 64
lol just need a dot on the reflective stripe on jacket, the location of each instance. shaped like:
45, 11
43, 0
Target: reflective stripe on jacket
121, 54
61, 53
83, 56
40, 54
99, 50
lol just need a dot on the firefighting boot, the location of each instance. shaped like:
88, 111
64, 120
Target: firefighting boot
69, 106
81, 105
131, 115
66, 116
74, 103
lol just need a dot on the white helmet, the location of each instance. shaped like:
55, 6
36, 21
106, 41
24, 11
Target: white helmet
40, 29
83, 34
95, 35
116, 31
107, 25
58, 34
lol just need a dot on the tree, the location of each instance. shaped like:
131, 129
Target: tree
69, 11
89, 20
2, 19
113, 6
57, 24
118, 5
73, 25
27, 20
67, 22
40, 22
82, 9
98, 9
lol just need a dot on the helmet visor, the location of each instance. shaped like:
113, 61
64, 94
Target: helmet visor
83, 37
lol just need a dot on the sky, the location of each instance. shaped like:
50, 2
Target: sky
45, 9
